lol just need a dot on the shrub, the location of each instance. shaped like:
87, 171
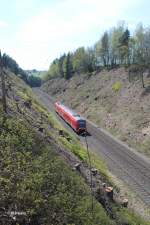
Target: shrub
116, 86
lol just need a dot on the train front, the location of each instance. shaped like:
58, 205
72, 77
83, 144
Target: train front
82, 126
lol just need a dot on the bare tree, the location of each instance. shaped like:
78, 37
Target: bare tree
3, 84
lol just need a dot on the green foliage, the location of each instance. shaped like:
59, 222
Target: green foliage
67, 67
10, 63
54, 70
35, 180
117, 86
34, 81
126, 216
115, 48
102, 49
80, 60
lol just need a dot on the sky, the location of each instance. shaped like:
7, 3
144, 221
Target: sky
35, 32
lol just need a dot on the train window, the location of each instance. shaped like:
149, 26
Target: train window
82, 123
76, 115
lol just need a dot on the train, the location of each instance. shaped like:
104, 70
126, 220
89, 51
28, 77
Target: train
77, 123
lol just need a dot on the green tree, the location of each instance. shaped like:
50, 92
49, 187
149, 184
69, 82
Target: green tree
139, 44
104, 50
116, 35
13, 66
67, 66
80, 60
53, 70
34, 81
124, 47
60, 65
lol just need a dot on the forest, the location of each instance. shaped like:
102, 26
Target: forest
117, 47
9, 63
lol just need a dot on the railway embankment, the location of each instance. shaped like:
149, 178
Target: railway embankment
110, 101
130, 167
45, 173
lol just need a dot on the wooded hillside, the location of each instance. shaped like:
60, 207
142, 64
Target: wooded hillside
116, 47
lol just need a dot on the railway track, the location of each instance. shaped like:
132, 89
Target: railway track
126, 167
129, 166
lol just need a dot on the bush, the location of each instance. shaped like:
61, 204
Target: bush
116, 86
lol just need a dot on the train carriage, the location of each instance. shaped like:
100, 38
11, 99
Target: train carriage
72, 118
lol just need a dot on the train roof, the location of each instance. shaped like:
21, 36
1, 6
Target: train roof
73, 113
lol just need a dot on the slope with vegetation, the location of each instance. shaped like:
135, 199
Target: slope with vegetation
35, 182
30, 78
37, 185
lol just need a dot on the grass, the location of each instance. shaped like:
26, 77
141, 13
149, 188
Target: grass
117, 86
75, 147
129, 217
36, 179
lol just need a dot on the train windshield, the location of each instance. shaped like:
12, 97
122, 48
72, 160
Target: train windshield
82, 123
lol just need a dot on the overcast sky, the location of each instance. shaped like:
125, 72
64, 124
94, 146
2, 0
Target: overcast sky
34, 32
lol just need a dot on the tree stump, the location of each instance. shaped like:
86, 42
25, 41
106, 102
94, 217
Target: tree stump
125, 202
109, 192
94, 171
77, 166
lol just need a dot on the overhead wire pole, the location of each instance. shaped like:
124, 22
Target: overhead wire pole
91, 178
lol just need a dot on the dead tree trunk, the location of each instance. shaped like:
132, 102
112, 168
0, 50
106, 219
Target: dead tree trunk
3, 85
142, 79
3, 92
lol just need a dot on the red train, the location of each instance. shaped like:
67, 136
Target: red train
72, 118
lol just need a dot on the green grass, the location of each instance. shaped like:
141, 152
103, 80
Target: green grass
74, 146
39, 182
117, 86
129, 217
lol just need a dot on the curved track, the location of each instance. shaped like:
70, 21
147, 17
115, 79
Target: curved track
126, 164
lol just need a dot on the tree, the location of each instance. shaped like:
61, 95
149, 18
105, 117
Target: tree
60, 65
34, 81
3, 84
124, 47
10, 63
104, 50
67, 67
80, 60
91, 59
116, 34
139, 44
53, 69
